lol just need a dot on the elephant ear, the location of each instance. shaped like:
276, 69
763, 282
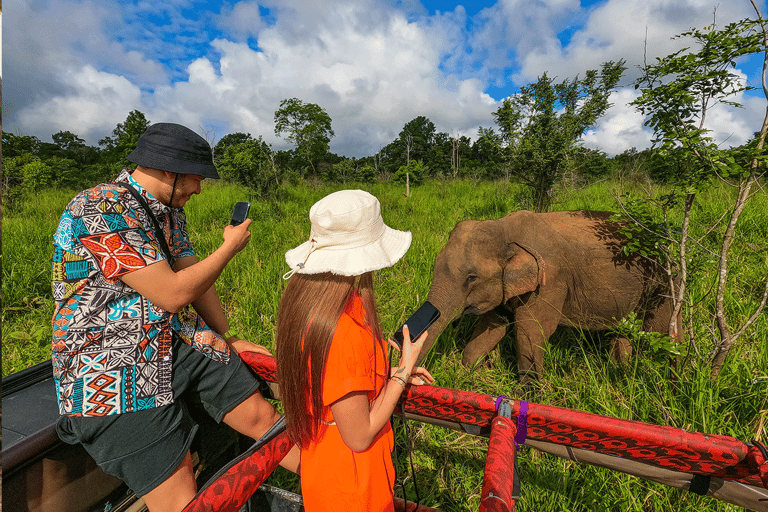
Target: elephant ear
523, 271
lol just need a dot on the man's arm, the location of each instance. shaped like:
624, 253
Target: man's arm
173, 291
209, 307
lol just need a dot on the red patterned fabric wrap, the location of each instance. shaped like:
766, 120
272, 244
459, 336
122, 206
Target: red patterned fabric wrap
450, 404
667, 447
498, 477
758, 463
264, 366
232, 490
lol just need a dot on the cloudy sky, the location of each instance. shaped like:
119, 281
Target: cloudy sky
224, 66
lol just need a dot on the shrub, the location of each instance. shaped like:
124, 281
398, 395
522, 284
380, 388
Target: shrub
416, 171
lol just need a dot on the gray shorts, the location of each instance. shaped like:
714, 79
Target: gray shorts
144, 448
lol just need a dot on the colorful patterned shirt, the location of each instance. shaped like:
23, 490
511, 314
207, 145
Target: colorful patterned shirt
112, 346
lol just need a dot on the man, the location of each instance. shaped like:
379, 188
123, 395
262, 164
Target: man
127, 344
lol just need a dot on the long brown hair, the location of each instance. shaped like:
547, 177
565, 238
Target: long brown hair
309, 311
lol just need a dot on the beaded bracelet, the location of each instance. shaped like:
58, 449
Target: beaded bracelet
400, 379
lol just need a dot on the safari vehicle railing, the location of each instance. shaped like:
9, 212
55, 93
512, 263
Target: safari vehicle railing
718, 466
41, 473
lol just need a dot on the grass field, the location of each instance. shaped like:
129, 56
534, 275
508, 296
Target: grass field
578, 373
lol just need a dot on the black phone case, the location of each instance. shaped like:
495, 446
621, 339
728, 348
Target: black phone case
418, 322
240, 213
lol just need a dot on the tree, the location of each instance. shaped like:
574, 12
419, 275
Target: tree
68, 141
677, 93
487, 152
16, 145
413, 173
542, 125
70, 146
459, 147
308, 127
414, 141
229, 140
124, 138
248, 163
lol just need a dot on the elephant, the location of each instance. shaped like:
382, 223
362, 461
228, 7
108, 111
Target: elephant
548, 269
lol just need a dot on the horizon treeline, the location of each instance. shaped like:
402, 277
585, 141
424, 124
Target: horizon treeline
420, 151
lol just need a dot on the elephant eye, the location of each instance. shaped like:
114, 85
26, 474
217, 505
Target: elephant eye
471, 278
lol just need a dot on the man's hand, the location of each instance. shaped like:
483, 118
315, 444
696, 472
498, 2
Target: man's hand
237, 237
174, 290
239, 346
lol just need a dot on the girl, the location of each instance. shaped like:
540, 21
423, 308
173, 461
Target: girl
335, 383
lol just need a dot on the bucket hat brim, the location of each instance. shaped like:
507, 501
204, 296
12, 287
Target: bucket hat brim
382, 253
348, 237
174, 148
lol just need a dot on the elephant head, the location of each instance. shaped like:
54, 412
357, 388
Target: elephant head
485, 264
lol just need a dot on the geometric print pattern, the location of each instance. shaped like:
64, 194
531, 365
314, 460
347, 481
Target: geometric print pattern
111, 346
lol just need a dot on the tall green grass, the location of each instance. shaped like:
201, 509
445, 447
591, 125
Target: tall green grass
578, 372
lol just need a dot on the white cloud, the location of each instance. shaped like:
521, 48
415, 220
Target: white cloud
84, 111
373, 65
243, 20
621, 127
391, 77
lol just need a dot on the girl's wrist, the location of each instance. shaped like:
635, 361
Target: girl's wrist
402, 381
400, 372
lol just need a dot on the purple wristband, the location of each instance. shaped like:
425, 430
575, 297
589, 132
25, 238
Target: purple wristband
522, 425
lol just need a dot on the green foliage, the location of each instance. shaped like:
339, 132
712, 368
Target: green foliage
365, 174
341, 172
124, 138
37, 174
17, 145
676, 94
487, 155
631, 327
415, 142
416, 171
542, 125
30, 164
249, 163
308, 126
13, 174
678, 90
648, 229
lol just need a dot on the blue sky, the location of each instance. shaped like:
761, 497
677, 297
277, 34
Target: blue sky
373, 65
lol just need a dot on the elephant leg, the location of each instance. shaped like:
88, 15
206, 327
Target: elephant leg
621, 349
489, 331
536, 321
531, 337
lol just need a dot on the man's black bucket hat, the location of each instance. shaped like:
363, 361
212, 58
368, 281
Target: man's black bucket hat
174, 148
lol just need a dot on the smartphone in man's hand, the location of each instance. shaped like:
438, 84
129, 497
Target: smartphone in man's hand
418, 323
240, 212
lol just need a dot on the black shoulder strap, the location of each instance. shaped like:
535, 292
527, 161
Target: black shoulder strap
158, 231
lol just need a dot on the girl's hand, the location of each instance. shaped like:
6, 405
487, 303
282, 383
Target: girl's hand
421, 376
408, 356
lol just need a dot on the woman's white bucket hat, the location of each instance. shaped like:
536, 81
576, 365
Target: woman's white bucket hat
348, 237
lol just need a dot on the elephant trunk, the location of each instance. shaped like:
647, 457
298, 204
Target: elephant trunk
448, 311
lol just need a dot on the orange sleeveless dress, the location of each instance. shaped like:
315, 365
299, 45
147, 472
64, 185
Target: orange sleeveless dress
333, 477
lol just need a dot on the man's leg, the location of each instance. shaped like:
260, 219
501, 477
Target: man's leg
176, 491
253, 417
